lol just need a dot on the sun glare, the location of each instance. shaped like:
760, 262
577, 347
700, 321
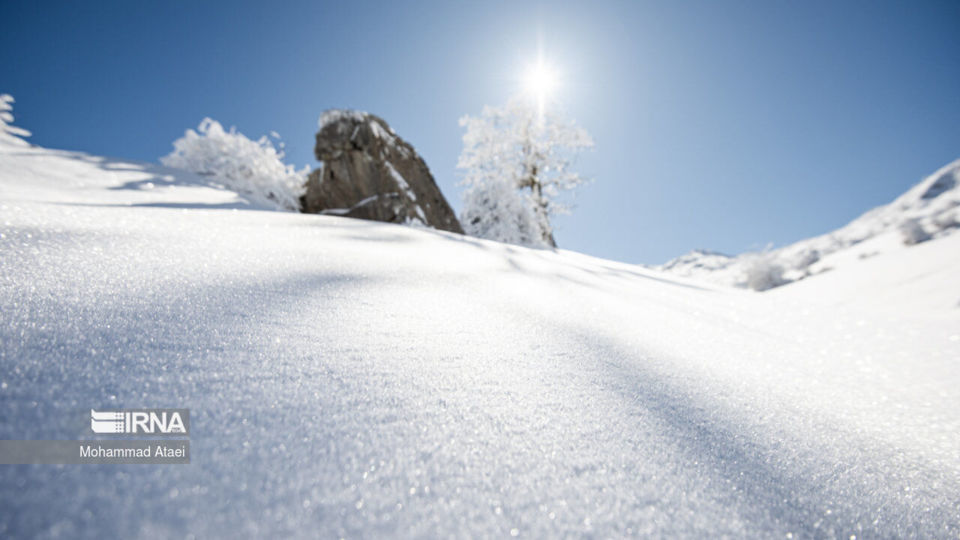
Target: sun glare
541, 80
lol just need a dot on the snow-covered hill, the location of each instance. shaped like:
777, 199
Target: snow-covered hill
927, 211
356, 379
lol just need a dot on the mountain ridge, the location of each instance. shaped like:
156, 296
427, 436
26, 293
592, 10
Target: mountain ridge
926, 211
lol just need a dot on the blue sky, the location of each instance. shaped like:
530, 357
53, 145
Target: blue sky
721, 125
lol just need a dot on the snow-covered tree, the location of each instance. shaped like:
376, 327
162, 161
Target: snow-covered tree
252, 168
10, 134
517, 160
497, 210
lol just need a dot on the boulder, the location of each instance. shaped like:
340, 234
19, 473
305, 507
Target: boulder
369, 172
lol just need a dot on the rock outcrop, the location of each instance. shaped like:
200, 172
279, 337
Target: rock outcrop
371, 173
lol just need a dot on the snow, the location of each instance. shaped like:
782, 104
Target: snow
401, 182
382, 133
350, 378
930, 209
332, 116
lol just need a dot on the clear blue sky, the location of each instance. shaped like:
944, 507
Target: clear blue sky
724, 125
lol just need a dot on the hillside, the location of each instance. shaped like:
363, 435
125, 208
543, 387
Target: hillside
350, 378
927, 211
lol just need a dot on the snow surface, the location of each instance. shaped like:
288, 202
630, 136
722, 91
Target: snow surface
349, 378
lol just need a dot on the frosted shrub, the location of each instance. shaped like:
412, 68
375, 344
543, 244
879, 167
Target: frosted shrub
805, 258
11, 135
762, 272
913, 233
251, 168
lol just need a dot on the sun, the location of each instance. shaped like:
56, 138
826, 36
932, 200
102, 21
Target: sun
540, 81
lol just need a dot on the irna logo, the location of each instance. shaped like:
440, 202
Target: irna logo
146, 421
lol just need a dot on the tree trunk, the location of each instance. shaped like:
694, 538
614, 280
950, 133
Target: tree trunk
542, 211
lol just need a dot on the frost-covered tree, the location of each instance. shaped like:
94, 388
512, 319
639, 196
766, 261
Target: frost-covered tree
252, 168
497, 210
10, 134
517, 160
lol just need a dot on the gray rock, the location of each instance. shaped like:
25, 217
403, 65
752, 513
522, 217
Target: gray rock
371, 173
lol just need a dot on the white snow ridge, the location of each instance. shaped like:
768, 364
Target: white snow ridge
930, 209
356, 379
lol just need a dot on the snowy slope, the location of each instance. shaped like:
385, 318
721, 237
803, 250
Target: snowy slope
349, 378
930, 210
